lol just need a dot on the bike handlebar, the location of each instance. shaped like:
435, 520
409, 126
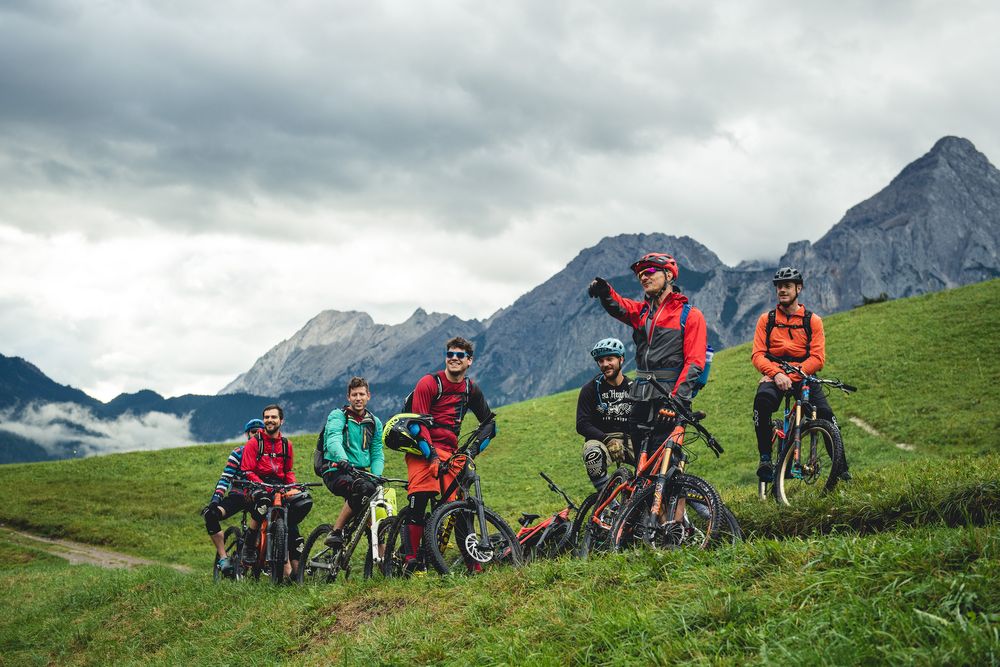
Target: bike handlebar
687, 416
835, 383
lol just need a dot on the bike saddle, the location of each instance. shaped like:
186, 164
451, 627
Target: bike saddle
527, 518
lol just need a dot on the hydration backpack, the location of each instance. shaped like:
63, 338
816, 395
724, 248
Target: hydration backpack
408, 401
806, 326
702, 380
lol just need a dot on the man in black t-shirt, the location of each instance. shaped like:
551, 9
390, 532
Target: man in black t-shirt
602, 412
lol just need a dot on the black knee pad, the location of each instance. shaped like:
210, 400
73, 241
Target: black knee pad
595, 459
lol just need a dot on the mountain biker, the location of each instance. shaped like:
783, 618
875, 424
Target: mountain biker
602, 412
268, 457
223, 505
793, 339
668, 350
445, 396
352, 439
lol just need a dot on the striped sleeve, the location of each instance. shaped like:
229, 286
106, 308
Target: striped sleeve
229, 473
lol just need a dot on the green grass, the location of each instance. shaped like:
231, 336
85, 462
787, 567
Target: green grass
899, 566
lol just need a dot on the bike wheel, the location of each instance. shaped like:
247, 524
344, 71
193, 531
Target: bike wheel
816, 469
357, 549
582, 515
319, 562
556, 542
454, 542
277, 545
765, 489
697, 527
397, 545
385, 526
595, 534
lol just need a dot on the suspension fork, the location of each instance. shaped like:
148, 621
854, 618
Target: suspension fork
484, 537
676, 439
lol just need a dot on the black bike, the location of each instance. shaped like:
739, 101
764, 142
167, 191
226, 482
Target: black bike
482, 538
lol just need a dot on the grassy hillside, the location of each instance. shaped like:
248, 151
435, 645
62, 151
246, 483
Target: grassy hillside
874, 573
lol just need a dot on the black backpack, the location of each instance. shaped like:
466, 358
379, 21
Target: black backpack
806, 326
469, 386
320, 464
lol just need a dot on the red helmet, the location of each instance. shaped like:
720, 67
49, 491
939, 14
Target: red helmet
656, 260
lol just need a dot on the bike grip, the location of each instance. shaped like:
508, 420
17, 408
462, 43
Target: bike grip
849, 388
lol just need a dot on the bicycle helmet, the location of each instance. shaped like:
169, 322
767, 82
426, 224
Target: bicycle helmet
402, 432
657, 260
608, 347
787, 274
253, 425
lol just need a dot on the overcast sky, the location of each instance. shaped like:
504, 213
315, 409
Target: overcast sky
185, 184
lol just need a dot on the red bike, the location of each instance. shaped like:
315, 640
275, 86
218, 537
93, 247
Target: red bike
555, 535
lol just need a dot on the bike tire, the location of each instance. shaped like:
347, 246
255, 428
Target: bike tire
397, 545
582, 514
766, 489
278, 549
555, 543
232, 540
818, 469
319, 562
703, 514
596, 537
450, 553
357, 549
384, 527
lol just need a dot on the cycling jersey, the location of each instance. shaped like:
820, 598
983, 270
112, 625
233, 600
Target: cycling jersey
603, 408
448, 408
230, 474
363, 448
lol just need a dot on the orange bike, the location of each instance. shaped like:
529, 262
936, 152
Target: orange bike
272, 547
661, 505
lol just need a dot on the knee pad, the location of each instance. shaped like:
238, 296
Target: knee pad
298, 546
595, 459
299, 506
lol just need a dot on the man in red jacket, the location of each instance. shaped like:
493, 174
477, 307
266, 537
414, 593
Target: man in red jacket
267, 459
669, 336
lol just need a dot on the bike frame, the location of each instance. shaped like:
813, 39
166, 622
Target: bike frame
527, 532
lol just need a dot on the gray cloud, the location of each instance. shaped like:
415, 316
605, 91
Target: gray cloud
178, 148
51, 425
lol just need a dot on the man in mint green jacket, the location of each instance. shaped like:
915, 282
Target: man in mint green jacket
352, 439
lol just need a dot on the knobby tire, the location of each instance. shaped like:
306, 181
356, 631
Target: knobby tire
812, 476
634, 525
453, 555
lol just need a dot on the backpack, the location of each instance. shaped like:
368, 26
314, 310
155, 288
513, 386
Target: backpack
408, 401
320, 464
806, 325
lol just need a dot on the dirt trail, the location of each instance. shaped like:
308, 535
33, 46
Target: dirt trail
871, 430
78, 553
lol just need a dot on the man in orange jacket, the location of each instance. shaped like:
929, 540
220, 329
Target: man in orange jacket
793, 334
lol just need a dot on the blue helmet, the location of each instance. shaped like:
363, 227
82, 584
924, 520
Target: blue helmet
608, 347
253, 425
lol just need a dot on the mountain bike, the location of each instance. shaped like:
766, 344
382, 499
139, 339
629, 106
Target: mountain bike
809, 449
553, 536
651, 506
481, 537
272, 546
323, 563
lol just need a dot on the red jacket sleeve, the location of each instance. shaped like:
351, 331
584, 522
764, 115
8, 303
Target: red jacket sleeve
695, 341
622, 309
249, 464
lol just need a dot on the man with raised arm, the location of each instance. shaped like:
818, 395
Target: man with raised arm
794, 334
602, 411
